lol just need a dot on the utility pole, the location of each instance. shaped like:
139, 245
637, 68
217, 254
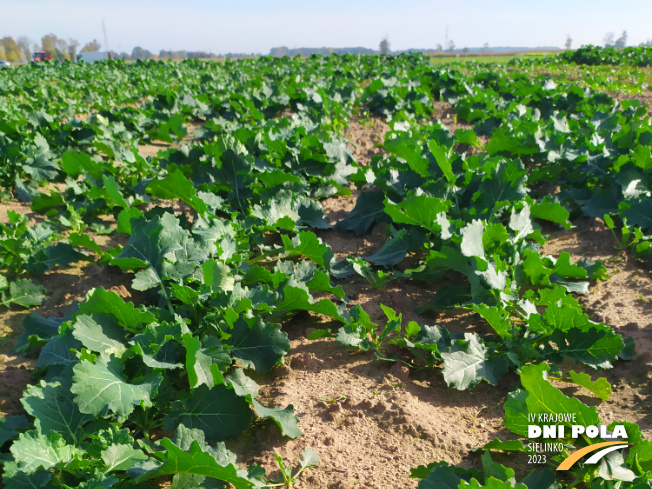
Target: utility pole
106, 40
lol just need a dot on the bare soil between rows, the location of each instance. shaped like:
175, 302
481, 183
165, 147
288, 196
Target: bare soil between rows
371, 421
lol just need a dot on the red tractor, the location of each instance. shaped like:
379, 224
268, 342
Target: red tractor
37, 57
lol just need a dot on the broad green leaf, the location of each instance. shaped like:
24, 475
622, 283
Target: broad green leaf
505, 446
33, 450
201, 367
37, 331
600, 387
541, 479
596, 347
505, 184
60, 254
76, 163
467, 136
551, 211
20, 480
561, 318
543, 397
176, 186
99, 332
496, 470
219, 412
490, 483
84, 241
440, 475
241, 384
638, 213
308, 459
397, 246
417, 210
369, 209
407, 147
113, 192
258, 345
298, 299
564, 268
353, 336
307, 244
433, 338
641, 455
284, 418
11, 427
321, 282
642, 157
516, 412
521, 223
496, 318
441, 158
121, 457
100, 301
472, 239
53, 410
199, 462
101, 386
164, 245
218, 276
24, 292
470, 363
159, 345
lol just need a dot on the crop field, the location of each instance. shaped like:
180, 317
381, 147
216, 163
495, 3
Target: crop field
332, 272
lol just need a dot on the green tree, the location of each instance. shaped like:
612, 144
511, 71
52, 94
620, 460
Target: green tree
48, 44
25, 44
384, 46
451, 46
73, 44
11, 49
61, 46
140, 53
91, 47
621, 42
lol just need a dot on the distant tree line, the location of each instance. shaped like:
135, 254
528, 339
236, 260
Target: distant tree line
22, 48
285, 51
609, 40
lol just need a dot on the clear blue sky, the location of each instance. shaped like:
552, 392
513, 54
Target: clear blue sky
256, 26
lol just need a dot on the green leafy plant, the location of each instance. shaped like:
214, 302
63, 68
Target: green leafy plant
308, 459
537, 399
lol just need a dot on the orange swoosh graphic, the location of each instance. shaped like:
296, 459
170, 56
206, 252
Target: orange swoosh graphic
568, 463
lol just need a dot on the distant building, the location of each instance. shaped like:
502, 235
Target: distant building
93, 56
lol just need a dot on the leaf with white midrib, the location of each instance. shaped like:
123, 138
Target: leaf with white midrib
54, 410
100, 386
219, 412
469, 364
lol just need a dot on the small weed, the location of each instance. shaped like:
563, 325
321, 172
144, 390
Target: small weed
308, 459
332, 399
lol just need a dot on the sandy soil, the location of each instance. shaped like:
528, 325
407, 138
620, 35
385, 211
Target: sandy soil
366, 137
371, 421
